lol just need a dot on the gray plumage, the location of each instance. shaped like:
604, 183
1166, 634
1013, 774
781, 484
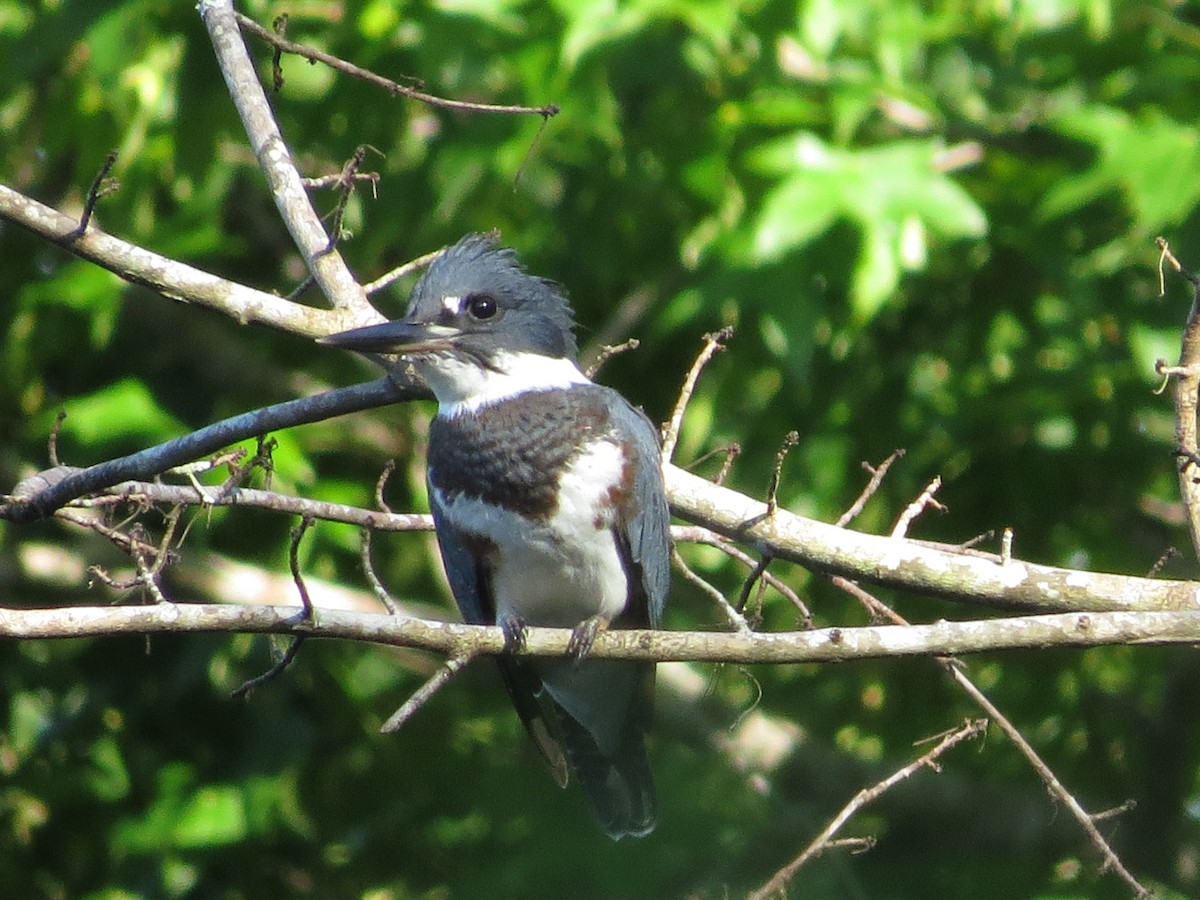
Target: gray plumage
547, 496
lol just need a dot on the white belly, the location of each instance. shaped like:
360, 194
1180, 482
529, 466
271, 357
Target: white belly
564, 570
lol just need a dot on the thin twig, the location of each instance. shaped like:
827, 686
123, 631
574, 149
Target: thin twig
294, 564
727, 453
381, 483
372, 578
305, 283
914, 509
165, 554
200, 466
712, 344
1167, 555
148, 579
756, 574
307, 615
735, 617
954, 669
139, 548
607, 352
126, 543
52, 440
346, 181
778, 882
1117, 811
533, 145
339, 180
102, 186
392, 87
732, 452
421, 696
280, 664
1057, 789
621, 322
400, 271
971, 543
790, 440
876, 608
1166, 256
877, 476
1006, 546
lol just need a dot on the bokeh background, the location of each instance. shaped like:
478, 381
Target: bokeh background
931, 225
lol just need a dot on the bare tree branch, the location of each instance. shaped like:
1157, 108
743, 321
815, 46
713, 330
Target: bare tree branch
102, 186
1187, 400
443, 676
778, 882
954, 669
918, 506
173, 280
313, 54
400, 271
344, 293
1057, 789
34, 499
736, 619
892, 562
912, 565
877, 473
713, 343
819, 645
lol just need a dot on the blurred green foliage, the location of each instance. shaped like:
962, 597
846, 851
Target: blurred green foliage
930, 223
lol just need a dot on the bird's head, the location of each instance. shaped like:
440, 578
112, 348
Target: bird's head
478, 327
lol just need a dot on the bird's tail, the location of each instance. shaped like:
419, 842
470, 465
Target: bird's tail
619, 786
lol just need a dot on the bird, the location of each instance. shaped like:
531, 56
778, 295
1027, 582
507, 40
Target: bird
549, 507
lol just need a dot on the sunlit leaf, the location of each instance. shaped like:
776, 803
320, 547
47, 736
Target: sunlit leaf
1149, 159
879, 189
125, 409
213, 815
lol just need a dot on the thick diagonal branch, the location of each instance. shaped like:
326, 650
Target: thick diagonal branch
287, 187
168, 277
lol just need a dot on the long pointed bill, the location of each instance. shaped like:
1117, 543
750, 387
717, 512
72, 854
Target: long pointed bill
394, 337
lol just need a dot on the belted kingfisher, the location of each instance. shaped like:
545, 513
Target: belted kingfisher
548, 501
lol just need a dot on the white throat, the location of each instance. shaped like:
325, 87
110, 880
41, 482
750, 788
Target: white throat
462, 386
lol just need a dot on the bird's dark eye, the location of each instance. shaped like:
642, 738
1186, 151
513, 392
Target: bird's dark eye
481, 306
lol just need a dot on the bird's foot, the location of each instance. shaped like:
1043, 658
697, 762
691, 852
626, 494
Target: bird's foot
514, 634
584, 635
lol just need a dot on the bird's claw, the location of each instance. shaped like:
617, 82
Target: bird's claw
514, 634
583, 636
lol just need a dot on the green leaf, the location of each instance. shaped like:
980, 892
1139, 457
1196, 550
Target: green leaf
593, 23
503, 15
125, 408
184, 816
109, 777
888, 192
213, 815
1148, 345
1148, 158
